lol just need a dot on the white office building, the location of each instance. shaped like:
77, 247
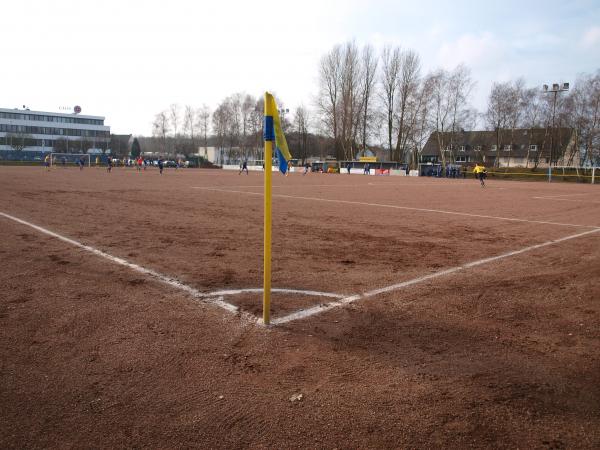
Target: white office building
39, 131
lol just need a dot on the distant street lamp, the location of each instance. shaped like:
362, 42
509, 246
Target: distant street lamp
556, 88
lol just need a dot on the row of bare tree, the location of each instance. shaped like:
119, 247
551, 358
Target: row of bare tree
384, 100
181, 130
237, 125
236, 128
581, 111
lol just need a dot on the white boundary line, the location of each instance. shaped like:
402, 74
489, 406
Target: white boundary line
158, 276
407, 208
162, 278
285, 291
568, 195
216, 297
557, 199
388, 184
394, 287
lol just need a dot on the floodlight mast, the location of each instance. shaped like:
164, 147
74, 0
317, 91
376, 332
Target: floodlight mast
556, 88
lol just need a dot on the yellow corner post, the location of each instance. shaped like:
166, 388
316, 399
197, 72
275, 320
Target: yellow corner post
269, 137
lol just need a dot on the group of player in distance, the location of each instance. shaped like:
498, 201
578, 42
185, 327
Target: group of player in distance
141, 164
479, 171
244, 168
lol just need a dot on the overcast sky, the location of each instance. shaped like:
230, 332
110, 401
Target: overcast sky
129, 60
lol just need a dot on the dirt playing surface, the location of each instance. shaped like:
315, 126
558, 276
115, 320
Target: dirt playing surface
94, 354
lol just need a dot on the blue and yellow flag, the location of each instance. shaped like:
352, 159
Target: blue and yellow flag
273, 132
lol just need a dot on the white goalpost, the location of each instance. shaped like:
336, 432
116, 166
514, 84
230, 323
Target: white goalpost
588, 174
64, 159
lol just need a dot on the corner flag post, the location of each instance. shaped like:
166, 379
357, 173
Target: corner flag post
269, 137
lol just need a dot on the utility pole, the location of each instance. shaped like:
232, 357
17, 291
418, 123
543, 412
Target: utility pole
556, 88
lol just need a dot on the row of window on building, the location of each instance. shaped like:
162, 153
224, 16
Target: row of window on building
53, 131
466, 159
44, 118
49, 143
493, 148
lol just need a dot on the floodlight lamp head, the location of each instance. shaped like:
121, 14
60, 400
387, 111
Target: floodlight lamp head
545, 87
555, 87
565, 86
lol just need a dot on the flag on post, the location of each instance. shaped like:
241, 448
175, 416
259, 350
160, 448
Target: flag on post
281, 148
273, 136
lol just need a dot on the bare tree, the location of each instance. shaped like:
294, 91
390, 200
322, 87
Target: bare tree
391, 63
350, 107
592, 132
440, 110
369, 72
416, 123
460, 86
516, 110
174, 118
585, 117
189, 123
256, 123
421, 129
246, 111
330, 91
235, 123
301, 123
203, 116
160, 129
347, 82
449, 110
531, 118
506, 108
497, 114
408, 84
221, 118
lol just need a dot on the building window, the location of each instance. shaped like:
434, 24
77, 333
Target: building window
463, 148
533, 148
429, 158
478, 148
461, 158
507, 148
494, 147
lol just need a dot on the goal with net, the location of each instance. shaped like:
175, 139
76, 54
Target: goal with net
572, 174
69, 159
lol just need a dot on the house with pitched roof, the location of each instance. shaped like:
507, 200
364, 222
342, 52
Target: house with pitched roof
523, 147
